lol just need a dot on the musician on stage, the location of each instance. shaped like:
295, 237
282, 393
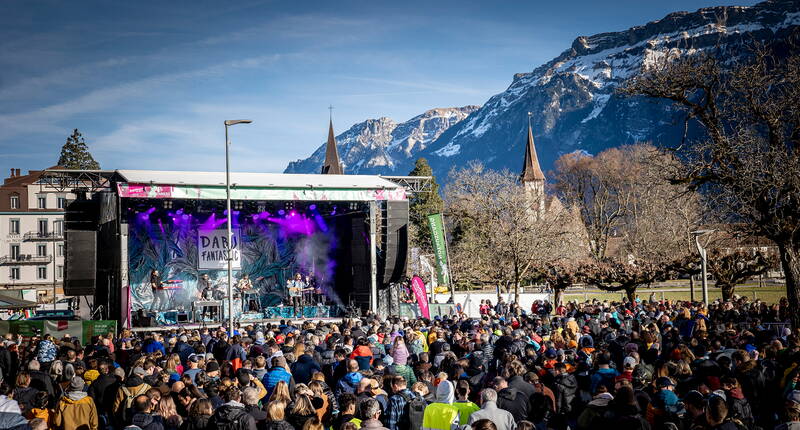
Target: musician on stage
245, 285
295, 292
206, 292
159, 297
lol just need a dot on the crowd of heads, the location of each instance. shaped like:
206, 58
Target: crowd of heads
633, 365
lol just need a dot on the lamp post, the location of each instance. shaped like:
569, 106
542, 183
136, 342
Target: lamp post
229, 256
703, 260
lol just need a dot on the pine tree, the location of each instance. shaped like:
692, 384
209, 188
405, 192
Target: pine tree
75, 154
422, 205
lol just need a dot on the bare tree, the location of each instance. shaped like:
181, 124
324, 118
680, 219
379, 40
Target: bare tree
505, 236
748, 164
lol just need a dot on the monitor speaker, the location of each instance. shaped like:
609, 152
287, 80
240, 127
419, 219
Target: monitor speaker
395, 242
80, 263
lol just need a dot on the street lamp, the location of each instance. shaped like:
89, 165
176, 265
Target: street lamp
703, 260
229, 256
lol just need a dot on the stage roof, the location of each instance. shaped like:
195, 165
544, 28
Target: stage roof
256, 186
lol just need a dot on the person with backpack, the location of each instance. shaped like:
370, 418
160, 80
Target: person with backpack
232, 415
406, 409
76, 410
131, 388
441, 414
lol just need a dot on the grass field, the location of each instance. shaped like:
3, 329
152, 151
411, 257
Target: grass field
769, 292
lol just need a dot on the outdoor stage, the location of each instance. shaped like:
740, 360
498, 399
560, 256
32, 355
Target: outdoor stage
346, 233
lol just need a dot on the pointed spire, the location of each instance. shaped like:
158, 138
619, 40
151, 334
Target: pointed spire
332, 165
531, 171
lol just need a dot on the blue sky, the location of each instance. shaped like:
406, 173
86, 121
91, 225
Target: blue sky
150, 83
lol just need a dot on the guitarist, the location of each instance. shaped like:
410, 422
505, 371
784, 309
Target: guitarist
295, 292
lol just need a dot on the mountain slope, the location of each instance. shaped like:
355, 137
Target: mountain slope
384, 146
572, 98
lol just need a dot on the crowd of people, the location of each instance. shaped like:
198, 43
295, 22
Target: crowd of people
593, 365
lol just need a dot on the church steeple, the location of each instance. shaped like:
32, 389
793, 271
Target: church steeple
531, 171
332, 165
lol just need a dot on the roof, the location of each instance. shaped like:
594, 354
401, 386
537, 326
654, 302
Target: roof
531, 171
8, 302
332, 165
261, 180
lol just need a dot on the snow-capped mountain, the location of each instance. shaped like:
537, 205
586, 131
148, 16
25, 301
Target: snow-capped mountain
384, 146
572, 98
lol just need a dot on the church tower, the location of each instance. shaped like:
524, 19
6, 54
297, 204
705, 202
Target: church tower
532, 177
332, 165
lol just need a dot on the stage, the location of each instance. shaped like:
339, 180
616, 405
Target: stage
165, 245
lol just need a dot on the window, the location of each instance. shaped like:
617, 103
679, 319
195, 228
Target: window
41, 250
15, 201
42, 227
59, 272
62, 202
60, 251
41, 201
15, 251
13, 227
41, 272
58, 226
14, 274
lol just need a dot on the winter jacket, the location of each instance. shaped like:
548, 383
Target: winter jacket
406, 372
565, 388
348, 383
501, 418
147, 421
605, 377
258, 414
76, 411
11, 416
303, 369
297, 421
196, 422
521, 385
738, 407
373, 425
134, 385
25, 397
594, 411
363, 355
103, 391
515, 402
232, 415
275, 375
278, 425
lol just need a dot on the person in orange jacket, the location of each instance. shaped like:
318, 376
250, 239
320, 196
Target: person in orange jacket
362, 354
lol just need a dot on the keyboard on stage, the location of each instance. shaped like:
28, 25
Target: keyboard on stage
202, 303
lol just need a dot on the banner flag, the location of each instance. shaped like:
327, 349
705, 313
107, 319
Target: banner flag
97, 328
418, 287
436, 223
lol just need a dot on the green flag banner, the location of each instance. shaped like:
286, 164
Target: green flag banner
97, 328
436, 223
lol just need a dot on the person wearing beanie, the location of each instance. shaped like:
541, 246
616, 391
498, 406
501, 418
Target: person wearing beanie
441, 414
123, 402
76, 410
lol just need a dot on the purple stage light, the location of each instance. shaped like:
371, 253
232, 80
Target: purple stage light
313, 207
281, 212
292, 213
185, 217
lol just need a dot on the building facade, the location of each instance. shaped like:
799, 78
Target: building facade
31, 234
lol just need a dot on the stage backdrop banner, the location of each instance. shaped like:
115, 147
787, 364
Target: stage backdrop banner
418, 287
436, 223
212, 249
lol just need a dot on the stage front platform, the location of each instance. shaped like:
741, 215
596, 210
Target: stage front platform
174, 317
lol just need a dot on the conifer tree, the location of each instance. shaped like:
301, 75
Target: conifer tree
422, 205
75, 154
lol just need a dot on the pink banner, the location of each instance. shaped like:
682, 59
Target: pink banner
418, 287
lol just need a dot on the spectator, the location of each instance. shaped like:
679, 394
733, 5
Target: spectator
371, 411
76, 410
232, 415
502, 419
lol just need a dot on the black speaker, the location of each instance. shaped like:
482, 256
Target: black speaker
80, 263
82, 215
183, 317
394, 243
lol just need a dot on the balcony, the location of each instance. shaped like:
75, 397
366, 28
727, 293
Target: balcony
25, 259
35, 236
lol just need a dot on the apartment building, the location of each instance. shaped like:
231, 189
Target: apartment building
31, 234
